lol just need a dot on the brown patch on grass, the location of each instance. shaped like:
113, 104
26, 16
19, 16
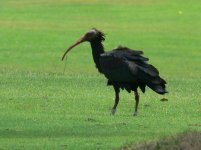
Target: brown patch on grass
164, 99
187, 141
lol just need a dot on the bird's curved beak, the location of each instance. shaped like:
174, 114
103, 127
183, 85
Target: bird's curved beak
82, 39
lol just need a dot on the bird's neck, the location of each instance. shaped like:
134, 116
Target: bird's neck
97, 50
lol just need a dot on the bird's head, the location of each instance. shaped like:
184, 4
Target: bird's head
90, 36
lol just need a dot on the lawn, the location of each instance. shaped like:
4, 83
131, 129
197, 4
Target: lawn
44, 106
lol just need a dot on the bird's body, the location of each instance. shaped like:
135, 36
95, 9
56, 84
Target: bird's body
124, 68
129, 70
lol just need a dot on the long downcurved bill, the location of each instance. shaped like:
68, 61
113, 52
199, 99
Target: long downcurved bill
82, 39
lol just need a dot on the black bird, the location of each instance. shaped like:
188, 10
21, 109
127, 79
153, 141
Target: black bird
123, 67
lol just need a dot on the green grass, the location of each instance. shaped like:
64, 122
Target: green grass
44, 108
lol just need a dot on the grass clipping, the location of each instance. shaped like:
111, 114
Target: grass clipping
187, 141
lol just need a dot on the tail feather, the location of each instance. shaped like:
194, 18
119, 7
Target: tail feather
150, 76
159, 89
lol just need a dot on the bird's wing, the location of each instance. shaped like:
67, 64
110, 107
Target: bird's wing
121, 64
135, 60
126, 65
146, 74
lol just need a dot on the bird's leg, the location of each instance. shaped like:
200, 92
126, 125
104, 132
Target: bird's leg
116, 100
136, 102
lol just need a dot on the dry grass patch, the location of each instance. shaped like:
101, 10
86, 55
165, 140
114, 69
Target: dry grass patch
185, 141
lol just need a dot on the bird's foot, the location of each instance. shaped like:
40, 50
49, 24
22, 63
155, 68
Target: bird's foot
135, 113
113, 111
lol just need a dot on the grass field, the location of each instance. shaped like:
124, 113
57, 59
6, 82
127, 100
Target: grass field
43, 107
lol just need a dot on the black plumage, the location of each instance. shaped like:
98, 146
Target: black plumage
123, 67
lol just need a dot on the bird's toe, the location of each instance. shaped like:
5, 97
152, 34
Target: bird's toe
113, 111
135, 114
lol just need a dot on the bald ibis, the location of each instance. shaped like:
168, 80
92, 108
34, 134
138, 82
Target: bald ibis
123, 67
